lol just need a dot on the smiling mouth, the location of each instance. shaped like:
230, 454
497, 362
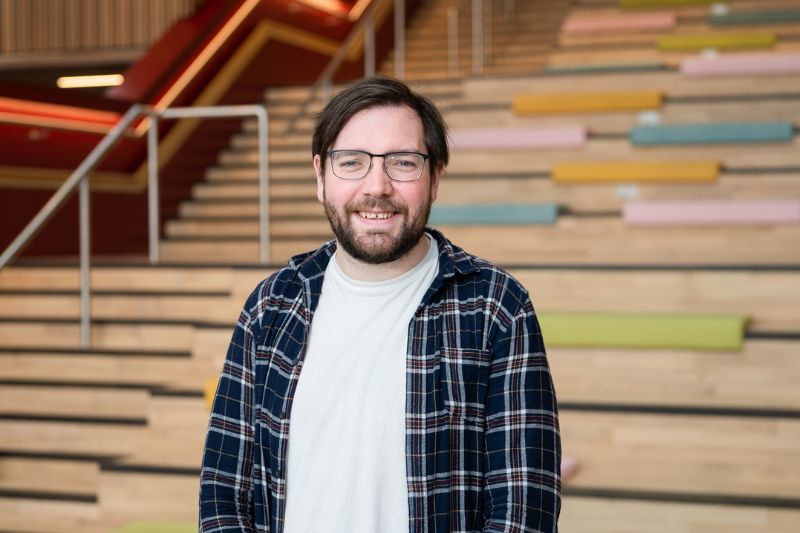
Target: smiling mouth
369, 215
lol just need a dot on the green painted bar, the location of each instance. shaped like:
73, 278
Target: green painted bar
643, 330
755, 17
731, 132
493, 214
609, 68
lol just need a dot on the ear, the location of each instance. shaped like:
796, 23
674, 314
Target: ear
435, 177
319, 171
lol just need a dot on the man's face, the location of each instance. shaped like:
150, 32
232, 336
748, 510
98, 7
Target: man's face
375, 219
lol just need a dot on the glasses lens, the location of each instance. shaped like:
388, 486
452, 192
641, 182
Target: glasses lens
404, 166
350, 165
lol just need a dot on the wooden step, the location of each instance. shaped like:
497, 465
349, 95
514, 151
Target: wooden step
241, 252
283, 228
247, 208
684, 454
174, 436
246, 189
135, 278
160, 497
672, 83
249, 170
764, 375
771, 299
607, 240
572, 240
730, 156
72, 401
499, 115
609, 198
97, 369
70, 438
26, 515
619, 515
39, 476
197, 307
48, 333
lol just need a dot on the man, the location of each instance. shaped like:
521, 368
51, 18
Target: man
388, 381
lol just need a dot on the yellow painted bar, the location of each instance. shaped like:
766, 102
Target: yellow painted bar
613, 172
528, 104
726, 41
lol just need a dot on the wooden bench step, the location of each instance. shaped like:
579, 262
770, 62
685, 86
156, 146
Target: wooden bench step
684, 454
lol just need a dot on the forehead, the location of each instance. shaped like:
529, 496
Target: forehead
384, 128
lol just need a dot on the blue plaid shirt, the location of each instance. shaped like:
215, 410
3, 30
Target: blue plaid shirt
482, 438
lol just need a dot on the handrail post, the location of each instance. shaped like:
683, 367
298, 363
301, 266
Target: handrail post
369, 48
263, 194
152, 189
477, 37
85, 278
486, 40
510, 11
399, 39
453, 48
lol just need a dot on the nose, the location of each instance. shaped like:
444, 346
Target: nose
377, 182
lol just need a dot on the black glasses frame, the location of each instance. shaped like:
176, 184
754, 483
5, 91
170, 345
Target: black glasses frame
425, 158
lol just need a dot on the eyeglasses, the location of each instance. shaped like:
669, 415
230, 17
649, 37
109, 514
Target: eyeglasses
399, 166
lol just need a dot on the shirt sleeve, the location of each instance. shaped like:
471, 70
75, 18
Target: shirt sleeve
523, 443
226, 481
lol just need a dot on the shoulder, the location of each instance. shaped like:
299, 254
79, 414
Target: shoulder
489, 281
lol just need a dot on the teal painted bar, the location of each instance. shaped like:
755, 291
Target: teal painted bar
494, 214
755, 17
609, 68
744, 132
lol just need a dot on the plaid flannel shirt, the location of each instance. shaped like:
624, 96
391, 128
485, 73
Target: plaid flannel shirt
482, 438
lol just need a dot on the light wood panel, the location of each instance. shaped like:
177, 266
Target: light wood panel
35, 516
109, 336
685, 454
130, 496
180, 373
764, 375
771, 299
129, 307
604, 515
776, 156
675, 85
75, 401
68, 437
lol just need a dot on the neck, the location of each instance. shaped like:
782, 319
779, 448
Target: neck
362, 271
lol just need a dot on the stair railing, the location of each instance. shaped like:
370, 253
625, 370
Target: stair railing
323, 85
79, 179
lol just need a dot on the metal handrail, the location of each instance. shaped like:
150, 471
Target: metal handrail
263, 163
324, 81
80, 179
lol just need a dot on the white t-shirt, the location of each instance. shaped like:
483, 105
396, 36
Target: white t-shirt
346, 470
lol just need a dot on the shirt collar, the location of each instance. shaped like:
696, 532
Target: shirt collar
452, 259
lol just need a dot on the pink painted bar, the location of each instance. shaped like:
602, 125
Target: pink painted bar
713, 212
518, 138
615, 23
733, 64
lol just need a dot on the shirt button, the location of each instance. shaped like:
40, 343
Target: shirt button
283, 414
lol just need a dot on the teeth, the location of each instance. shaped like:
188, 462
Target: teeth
369, 215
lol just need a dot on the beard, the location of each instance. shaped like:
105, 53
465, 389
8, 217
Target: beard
377, 247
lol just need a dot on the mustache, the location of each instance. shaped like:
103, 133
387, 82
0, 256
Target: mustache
379, 204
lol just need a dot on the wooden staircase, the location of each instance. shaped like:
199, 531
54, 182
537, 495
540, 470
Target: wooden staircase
668, 440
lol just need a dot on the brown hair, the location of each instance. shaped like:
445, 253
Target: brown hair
376, 92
